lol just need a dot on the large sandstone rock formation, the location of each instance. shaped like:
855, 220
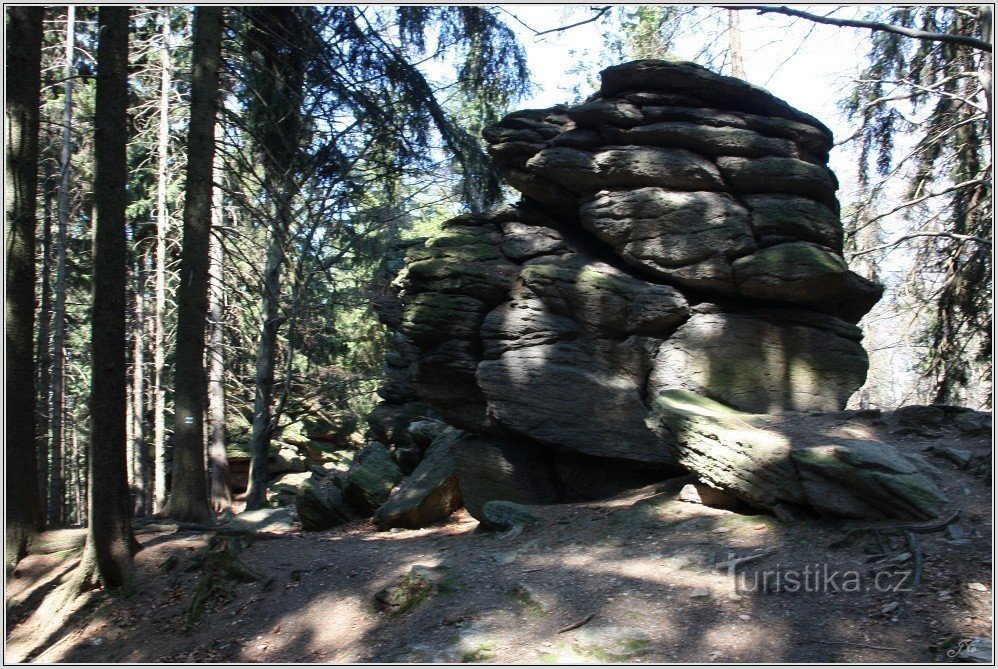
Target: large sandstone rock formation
677, 231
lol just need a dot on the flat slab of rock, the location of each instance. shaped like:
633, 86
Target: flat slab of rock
760, 363
581, 171
768, 461
430, 494
281, 519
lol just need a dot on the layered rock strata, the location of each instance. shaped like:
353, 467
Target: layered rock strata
679, 230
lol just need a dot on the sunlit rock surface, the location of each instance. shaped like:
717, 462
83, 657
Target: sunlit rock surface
678, 230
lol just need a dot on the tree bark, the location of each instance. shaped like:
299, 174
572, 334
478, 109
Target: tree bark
221, 491
79, 464
280, 81
24, 48
57, 486
256, 494
139, 442
45, 344
162, 223
109, 540
189, 493
735, 45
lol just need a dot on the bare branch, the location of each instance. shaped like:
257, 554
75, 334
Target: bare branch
915, 235
599, 14
964, 40
927, 196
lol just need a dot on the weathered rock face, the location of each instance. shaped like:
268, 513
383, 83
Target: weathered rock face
679, 230
768, 463
430, 493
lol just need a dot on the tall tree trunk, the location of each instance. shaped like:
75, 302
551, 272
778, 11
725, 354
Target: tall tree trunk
110, 543
45, 343
280, 81
256, 494
79, 461
81, 455
24, 48
57, 488
735, 45
188, 492
139, 443
129, 427
221, 491
162, 222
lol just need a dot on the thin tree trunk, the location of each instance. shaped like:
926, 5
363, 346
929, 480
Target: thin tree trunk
80, 483
57, 490
72, 473
149, 457
110, 543
82, 460
45, 344
139, 444
130, 429
280, 81
24, 45
221, 491
256, 494
188, 492
735, 44
162, 223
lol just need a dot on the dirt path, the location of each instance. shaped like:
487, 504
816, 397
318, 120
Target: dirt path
645, 573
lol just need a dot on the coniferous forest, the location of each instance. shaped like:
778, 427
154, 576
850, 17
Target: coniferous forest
383, 334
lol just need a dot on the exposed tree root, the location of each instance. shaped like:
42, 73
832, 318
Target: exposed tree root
220, 568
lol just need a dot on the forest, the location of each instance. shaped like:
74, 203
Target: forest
489, 333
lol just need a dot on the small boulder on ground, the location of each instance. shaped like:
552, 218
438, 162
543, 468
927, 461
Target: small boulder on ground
503, 515
371, 478
701, 493
430, 494
320, 504
280, 519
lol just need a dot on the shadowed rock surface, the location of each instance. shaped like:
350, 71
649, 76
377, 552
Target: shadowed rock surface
678, 231
766, 463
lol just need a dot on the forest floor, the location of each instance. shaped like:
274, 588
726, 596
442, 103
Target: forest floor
642, 575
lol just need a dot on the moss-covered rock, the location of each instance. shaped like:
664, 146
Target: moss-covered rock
430, 494
755, 460
808, 275
320, 504
371, 478
500, 514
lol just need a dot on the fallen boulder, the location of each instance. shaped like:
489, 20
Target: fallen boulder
370, 479
501, 514
320, 504
764, 461
430, 494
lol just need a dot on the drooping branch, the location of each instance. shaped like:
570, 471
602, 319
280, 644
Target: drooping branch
596, 17
949, 38
928, 196
917, 235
